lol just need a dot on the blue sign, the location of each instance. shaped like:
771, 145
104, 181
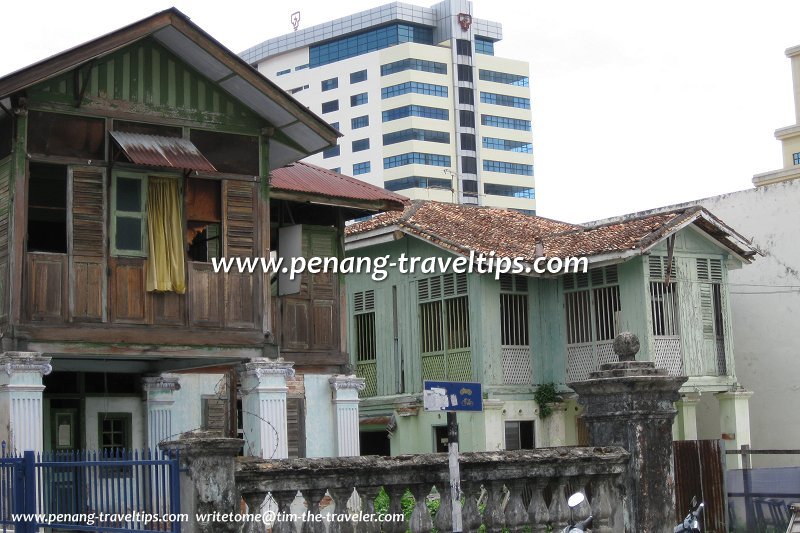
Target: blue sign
452, 396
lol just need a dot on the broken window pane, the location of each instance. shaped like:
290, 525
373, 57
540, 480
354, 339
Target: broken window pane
47, 208
66, 135
237, 154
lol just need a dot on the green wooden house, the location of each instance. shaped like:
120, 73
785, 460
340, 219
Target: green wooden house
513, 333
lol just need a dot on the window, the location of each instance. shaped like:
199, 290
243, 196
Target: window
466, 119
357, 77
529, 212
331, 152
463, 47
66, 135
466, 96
358, 99
508, 145
361, 145
203, 219
364, 322
514, 310
298, 89
413, 64
467, 141
416, 135
416, 158
335, 125
114, 436
415, 111
283, 72
796, 158
709, 276
417, 182
444, 327
359, 122
330, 107
228, 152
469, 165
592, 305
507, 168
301, 67
47, 208
505, 122
484, 46
329, 84
367, 41
519, 435
469, 187
513, 191
413, 87
128, 198
338, 170
464, 73
505, 100
503, 77
361, 168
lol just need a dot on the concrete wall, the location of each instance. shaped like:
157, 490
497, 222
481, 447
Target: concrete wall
187, 412
765, 304
320, 424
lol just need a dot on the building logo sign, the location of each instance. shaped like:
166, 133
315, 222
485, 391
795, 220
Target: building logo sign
465, 21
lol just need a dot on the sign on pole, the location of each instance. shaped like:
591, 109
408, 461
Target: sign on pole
451, 396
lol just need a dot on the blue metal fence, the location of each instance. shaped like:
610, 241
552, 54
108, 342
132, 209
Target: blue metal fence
119, 491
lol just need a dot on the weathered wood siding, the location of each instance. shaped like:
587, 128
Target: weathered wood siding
5, 213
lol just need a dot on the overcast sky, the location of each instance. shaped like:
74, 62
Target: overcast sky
636, 104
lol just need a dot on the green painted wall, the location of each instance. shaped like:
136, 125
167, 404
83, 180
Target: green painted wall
145, 78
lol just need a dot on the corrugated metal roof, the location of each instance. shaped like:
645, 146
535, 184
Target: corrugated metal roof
311, 179
157, 151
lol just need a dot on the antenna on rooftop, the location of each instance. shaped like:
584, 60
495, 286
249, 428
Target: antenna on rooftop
295, 20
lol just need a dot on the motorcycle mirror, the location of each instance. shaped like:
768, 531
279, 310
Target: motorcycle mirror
576, 499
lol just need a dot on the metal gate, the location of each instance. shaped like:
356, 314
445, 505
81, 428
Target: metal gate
700, 471
117, 491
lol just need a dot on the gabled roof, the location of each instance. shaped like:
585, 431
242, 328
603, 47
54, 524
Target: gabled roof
305, 133
462, 228
304, 181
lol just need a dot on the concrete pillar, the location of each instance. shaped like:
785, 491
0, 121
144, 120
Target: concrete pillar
207, 480
685, 426
158, 400
264, 407
631, 404
345, 407
21, 388
734, 422
555, 425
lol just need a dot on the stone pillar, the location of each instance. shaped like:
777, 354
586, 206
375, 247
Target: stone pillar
630, 404
21, 419
685, 427
556, 425
158, 399
734, 422
207, 479
264, 407
345, 407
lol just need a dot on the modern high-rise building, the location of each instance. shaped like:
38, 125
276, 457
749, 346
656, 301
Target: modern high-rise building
424, 105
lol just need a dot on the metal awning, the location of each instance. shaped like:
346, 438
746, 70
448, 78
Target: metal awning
157, 151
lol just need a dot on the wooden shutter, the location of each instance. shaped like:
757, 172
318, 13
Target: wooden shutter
87, 263
241, 297
324, 293
295, 421
215, 415
5, 208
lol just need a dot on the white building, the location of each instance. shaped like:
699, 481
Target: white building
425, 106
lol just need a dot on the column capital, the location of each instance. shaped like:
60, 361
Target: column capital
261, 367
25, 362
738, 393
690, 398
164, 382
342, 382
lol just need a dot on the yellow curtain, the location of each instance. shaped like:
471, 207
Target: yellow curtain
165, 264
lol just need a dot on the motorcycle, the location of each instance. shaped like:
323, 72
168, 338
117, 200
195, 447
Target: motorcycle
691, 524
574, 501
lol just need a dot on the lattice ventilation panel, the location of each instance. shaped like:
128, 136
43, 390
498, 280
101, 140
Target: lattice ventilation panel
517, 365
668, 355
369, 372
580, 361
459, 366
433, 367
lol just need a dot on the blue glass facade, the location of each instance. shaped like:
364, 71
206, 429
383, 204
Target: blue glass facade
361, 168
331, 152
416, 134
484, 46
505, 100
505, 122
415, 111
367, 41
416, 158
359, 99
360, 145
413, 87
508, 145
509, 190
413, 64
503, 77
420, 182
507, 168
359, 122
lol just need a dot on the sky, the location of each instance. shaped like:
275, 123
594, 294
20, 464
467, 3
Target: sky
636, 104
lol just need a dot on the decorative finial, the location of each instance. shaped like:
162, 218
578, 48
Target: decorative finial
626, 346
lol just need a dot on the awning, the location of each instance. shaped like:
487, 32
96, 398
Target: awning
157, 151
